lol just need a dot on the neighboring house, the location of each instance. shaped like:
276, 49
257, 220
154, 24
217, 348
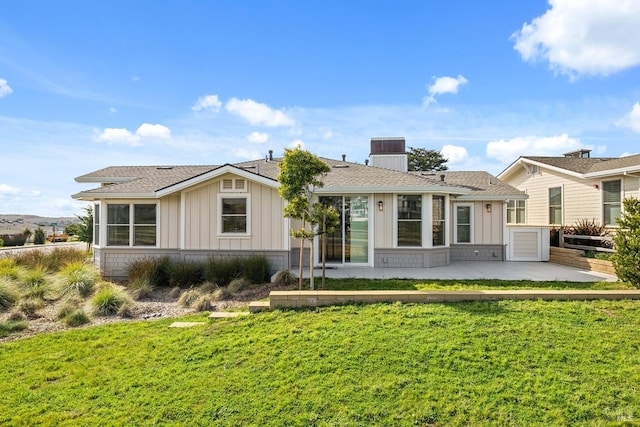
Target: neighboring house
389, 217
563, 190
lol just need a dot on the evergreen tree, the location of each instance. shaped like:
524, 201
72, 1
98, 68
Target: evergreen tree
627, 243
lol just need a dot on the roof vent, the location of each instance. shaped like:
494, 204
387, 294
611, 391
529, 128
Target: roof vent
442, 178
164, 168
339, 166
344, 157
583, 153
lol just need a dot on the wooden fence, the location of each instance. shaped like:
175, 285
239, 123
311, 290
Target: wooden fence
564, 237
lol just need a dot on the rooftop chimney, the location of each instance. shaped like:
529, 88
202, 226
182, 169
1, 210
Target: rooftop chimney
389, 153
270, 155
344, 157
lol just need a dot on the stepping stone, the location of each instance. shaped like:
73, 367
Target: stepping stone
185, 324
225, 314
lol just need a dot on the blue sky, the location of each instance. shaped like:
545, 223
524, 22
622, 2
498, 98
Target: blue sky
85, 85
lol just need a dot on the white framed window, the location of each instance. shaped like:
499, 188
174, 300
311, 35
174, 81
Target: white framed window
516, 212
555, 205
96, 224
409, 222
132, 224
234, 215
611, 201
438, 219
463, 229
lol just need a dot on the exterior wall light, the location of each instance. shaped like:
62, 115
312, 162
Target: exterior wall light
488, 207
380, 205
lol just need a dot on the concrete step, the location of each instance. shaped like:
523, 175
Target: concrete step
258, 306
225, 314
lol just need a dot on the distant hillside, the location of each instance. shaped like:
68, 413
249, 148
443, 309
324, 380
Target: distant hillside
12, 224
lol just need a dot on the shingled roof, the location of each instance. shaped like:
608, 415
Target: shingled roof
148, 181
582, 166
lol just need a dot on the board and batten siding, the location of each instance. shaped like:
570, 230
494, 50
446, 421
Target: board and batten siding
202, 211
169, 217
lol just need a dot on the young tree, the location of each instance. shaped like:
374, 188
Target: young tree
627, 243
423, 160
38, 236
85, 229
27, 234
299, 177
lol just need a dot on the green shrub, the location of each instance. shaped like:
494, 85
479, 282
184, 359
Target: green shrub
221, 271
156, 270
7, 295
78, 278
38, 236
12, 326
185, 274
627, 243
109, 302
588, 227
140, 288
76, 317
285, 278
256, 269
1, 242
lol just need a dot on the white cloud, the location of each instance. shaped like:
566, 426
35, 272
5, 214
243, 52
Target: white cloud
4, 88
112, 110
590, 37
124, 136
258, 137
208, 103
442, 85
147, 130
455, 155
7, 190
507, 151
257, 113
632, 120
118, 136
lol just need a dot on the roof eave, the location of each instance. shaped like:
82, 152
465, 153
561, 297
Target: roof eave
612, 172
393, 189
500, 197
97, 195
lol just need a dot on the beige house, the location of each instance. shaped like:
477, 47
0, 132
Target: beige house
563, 190
389, 217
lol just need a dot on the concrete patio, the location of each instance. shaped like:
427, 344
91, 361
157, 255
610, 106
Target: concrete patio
537, 271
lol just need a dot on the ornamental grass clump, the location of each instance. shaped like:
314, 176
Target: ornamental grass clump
185, 274
222, 271
35, 284
256, 269
9, 268
78, 278
189, 297
12, 326
140, 288
76, 317
109, 301
8, 295
156, 270
285, 278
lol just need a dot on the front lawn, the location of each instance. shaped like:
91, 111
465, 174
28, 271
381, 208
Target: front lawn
477, 363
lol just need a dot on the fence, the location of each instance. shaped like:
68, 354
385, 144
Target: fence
563, 244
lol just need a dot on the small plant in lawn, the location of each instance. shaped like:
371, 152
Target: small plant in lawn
78, 278
140, 288
109, 301
285, 278
76, 317
186, 274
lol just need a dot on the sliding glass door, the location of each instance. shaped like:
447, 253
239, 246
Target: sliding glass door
349, 242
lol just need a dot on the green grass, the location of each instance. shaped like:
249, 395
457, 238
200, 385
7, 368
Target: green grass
480, 364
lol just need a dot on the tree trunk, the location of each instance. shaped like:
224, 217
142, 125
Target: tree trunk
311, 283
324, 245
301, 263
